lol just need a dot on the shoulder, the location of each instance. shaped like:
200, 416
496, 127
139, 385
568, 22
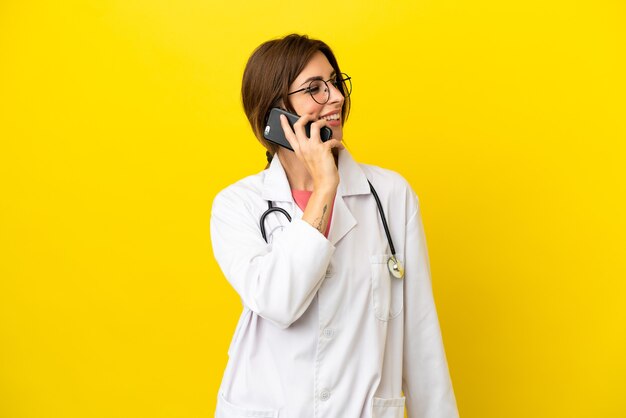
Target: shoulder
242, 194
391, 181
392, 187
385, 176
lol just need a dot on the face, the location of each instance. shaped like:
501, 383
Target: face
318, 68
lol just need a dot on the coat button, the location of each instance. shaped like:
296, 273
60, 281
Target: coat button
328, 332
324, 395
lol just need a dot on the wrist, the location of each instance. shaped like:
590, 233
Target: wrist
327, 187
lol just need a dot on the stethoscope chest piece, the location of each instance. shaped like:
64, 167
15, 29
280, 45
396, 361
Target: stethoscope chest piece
395, 267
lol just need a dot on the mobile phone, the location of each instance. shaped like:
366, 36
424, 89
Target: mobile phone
274, 131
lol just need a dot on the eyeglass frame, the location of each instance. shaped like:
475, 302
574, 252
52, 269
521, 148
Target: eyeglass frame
308, 88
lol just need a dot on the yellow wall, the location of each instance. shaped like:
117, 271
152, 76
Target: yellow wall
120, 120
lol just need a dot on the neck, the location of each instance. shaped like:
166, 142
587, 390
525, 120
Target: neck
298, 176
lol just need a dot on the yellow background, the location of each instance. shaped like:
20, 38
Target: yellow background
120, 120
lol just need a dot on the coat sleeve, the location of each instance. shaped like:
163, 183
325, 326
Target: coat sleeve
426, 379
277, 281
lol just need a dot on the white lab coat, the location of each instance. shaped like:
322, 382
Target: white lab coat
326, 331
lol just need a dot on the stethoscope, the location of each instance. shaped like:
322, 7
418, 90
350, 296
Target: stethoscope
393, 264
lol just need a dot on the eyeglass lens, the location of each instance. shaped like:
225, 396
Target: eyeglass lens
320, 91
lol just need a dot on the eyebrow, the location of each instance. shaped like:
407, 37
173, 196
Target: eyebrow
317, 77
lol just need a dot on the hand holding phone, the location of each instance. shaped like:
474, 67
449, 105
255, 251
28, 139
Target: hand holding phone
274, 132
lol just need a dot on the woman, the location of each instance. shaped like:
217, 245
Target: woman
327, 330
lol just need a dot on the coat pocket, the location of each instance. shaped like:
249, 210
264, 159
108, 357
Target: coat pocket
387, 291
388, 408
226, 409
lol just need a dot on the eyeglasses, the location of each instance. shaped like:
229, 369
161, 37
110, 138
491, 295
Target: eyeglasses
319, 91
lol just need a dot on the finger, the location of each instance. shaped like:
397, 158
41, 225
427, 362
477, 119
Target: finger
304, 119
316, 127
299, 126
334, 143
289, 133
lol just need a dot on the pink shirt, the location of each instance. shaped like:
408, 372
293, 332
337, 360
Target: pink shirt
302, 198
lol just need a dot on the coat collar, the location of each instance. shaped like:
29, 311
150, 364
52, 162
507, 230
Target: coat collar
352, 180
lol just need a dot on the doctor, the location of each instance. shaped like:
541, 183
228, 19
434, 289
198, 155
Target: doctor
326, 330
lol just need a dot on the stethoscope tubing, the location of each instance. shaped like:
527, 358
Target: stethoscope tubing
269, 210
382, 218
381, 212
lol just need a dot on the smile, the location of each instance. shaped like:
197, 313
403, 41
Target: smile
334, 116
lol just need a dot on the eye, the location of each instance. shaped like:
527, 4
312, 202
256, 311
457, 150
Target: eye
315, 87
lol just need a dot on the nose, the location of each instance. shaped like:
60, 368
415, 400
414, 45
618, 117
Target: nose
335, 94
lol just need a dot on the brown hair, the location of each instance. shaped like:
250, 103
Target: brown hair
270, 70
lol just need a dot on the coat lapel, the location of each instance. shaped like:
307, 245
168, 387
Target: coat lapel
275, 184
352, 181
